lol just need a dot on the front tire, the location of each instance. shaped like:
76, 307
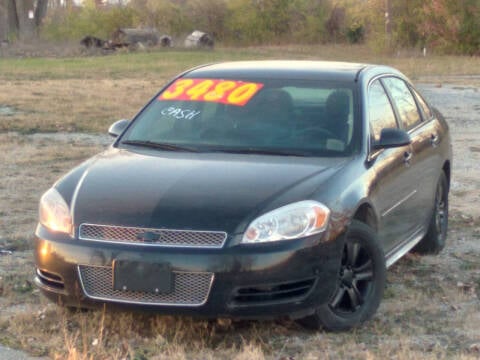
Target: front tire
434, 240
360, 285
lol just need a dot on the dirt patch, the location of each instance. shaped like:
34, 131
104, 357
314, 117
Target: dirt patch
6, 110
460, 104
431, 307
29, 165
41, 139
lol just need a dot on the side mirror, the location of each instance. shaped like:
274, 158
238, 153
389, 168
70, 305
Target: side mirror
118, 127
391, 138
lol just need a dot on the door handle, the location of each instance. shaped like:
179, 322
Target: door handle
434, 140
407, 157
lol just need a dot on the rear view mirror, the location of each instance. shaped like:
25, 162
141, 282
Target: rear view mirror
118, 127
390, 138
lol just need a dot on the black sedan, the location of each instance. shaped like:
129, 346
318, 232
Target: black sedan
252, 190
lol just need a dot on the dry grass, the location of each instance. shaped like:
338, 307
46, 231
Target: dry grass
420, 320
169, 62
73, 104
430, 309
29, 166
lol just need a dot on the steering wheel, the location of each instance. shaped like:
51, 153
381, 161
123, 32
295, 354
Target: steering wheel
315, 133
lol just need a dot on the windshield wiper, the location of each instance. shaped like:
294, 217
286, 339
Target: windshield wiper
161, 146
261, 151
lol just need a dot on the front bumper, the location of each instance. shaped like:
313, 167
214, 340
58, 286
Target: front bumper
289, 278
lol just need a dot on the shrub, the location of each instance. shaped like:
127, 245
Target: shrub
75, 23
355, 33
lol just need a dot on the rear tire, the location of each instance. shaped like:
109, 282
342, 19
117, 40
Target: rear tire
360, 285
434, 240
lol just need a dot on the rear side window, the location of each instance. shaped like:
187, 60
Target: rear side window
381, 115
404, 101
427, 112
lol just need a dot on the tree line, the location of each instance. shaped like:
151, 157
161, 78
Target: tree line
449, 26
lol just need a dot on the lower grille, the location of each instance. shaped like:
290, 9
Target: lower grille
280, 292
190, 288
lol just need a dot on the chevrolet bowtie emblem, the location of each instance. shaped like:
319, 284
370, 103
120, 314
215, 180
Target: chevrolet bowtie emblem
148, 237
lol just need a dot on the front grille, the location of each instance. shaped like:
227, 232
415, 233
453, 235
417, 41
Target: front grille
190, 288
155, 237
279, 292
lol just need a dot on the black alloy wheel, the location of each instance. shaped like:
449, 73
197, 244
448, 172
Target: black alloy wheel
355, 279
360, 285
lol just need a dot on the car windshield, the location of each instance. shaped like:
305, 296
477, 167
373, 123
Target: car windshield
274, 117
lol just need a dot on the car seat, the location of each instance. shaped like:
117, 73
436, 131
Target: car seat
337, 109
273, 113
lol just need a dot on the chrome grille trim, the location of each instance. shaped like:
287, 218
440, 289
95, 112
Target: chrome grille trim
190, 288
57, 279
166, 237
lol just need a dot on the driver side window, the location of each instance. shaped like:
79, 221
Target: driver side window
380, 112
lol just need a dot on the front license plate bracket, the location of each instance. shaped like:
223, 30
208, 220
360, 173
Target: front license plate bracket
142, 276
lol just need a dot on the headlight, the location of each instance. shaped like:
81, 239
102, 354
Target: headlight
288, 222
54, 213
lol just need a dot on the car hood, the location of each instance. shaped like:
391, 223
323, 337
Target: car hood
186, 190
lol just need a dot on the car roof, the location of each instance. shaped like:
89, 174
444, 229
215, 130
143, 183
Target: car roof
286, 69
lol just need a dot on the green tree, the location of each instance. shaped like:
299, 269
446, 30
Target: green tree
273, 21
452, 26
407, 15
274, 15
74, 23
243, 25
209, 16
307, 20
167, 16
469, 31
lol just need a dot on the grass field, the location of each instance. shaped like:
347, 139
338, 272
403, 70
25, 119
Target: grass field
169, 62
430, 309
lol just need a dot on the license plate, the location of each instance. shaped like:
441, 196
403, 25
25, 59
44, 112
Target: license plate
142, 276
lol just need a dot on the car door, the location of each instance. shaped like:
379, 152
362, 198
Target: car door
422, 169
393, 189
428, 155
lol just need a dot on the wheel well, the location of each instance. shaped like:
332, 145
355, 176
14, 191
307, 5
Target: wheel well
366, 215
446, 170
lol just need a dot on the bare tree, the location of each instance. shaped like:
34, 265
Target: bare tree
26, 19
3, 21
388, 24
21, 17
335, 23
40, 11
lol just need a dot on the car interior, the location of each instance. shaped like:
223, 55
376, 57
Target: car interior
288, 118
